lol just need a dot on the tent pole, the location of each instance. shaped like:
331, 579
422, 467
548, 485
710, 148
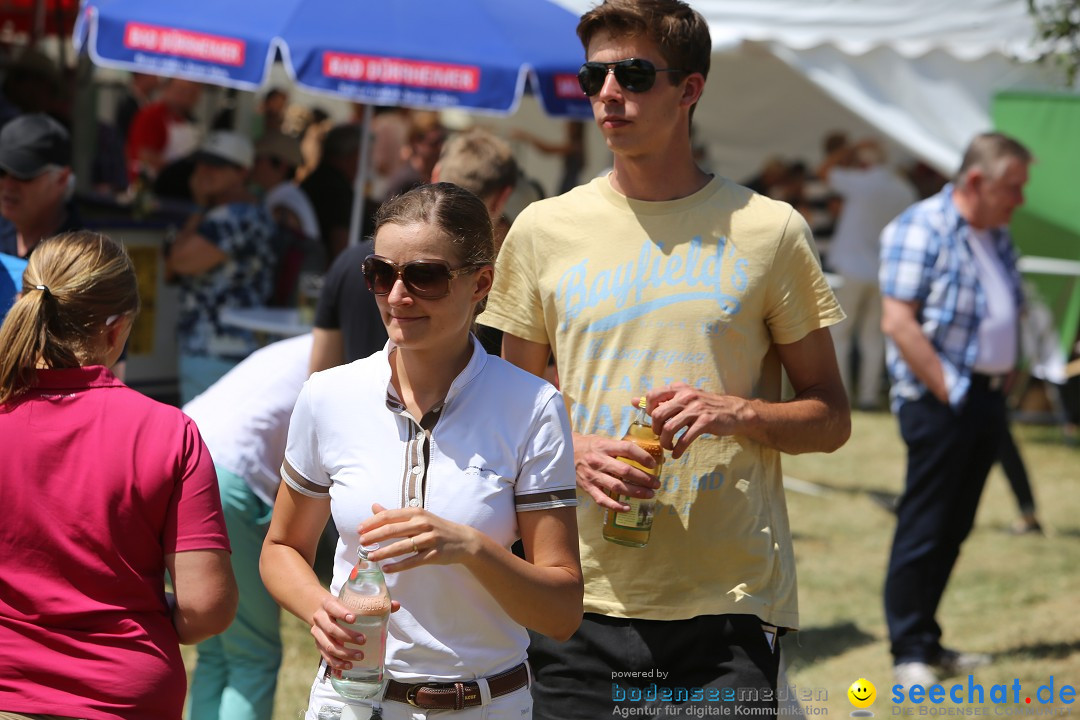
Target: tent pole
37, 31
59, 20
360, 184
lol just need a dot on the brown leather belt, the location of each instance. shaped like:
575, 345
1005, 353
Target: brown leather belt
456, 695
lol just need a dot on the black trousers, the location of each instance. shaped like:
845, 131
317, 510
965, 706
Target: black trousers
1016, 473
618, 663
949, 457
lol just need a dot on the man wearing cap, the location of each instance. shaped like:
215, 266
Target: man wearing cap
277, 156
222, 258
35, 165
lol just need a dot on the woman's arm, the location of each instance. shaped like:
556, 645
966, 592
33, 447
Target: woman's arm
543, 593
205, 593
286, 568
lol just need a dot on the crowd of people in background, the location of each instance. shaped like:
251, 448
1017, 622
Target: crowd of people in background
848, 201
508, 337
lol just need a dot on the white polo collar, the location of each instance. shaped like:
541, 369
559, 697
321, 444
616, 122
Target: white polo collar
472, 370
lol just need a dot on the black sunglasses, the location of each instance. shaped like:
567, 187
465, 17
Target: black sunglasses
427, 279
633, 74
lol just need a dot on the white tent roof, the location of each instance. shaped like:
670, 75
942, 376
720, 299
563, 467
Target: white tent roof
966, 29
921, 73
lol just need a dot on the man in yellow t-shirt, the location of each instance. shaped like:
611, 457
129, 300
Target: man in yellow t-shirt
662, 281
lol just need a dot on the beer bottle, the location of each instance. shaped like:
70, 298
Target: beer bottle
633, 526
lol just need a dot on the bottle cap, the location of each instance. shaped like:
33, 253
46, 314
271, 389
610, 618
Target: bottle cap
364, 550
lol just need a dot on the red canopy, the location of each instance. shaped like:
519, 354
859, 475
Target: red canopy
37, 18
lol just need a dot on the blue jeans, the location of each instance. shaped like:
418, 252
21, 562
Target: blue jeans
949, 457
236, 673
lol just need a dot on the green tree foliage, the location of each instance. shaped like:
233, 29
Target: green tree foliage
1057, 28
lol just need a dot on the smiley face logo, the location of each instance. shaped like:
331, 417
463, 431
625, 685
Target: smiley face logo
862, 693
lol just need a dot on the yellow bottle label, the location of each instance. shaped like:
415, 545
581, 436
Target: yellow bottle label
638, 517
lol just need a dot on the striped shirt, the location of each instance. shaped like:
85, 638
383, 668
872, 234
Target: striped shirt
926, 258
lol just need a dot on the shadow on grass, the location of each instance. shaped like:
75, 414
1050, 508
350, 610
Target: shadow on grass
819, 643
1072, 533
885, 500
1040, 651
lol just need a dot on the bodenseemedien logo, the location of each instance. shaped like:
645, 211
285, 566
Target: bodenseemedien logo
972, 698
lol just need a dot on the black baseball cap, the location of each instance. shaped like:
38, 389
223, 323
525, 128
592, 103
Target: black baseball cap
31, 143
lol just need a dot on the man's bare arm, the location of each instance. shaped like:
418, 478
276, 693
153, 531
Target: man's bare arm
327, 349
817, 419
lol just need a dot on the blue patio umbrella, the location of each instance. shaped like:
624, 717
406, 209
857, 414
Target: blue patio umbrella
223, 42
473, 55
468, 54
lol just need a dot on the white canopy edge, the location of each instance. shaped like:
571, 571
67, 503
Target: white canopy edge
931, 105
967, 29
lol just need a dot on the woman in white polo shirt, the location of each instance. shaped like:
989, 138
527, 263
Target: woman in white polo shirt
444, 456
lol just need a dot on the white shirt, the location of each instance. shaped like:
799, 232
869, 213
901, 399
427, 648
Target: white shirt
289, 196
244, 417
872, 198
499, 444
997, 331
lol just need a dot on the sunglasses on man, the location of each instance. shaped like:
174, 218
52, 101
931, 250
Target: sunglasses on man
633, 74
427, 279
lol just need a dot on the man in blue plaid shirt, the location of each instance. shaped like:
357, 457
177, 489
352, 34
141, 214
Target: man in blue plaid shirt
951, 302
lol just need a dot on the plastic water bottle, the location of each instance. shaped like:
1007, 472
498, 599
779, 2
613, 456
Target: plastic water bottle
366, 594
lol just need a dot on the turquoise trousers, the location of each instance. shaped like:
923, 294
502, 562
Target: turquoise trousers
199, 372
236, 673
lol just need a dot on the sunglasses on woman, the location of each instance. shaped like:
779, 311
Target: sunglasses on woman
427, 279
633, 74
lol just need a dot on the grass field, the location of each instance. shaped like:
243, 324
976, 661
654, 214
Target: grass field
1014, 597
1011, 596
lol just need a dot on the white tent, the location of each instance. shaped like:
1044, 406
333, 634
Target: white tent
921, 73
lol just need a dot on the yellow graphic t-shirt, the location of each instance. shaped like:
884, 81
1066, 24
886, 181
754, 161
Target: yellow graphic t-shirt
633, 295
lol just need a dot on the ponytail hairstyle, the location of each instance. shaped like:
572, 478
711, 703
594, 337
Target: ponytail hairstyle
74, 283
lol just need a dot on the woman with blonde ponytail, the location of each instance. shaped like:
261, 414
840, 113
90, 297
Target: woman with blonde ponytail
76, 298
103, 490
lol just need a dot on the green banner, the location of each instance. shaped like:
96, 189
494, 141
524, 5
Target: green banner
1049, 223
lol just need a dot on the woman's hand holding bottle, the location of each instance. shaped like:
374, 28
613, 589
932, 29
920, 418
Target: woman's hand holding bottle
414, 536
